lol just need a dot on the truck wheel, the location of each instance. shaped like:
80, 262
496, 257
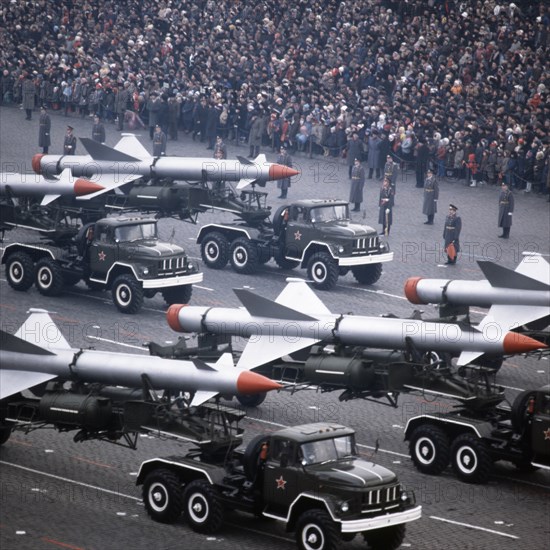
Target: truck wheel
4, 434
127, 294
244, 256
202, 507
252, 399
323, 271
20, 271
215, 250
49, 279
163, 496
367, 274
519, 413
315, 530
178, 295
471, 459
429, 449
387, 538
284, 263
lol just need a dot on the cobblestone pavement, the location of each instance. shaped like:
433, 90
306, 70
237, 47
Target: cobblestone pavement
55, 493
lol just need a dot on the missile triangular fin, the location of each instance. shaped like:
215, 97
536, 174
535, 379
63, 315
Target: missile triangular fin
503, 277
98, 151
259, 306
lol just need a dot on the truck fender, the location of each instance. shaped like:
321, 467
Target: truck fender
35, 252
230, 232
452, 427
185, 472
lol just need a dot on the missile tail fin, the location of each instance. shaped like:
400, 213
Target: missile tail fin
503, 277
510, 317
536, 267
47, 199
245, 183
11, 342
15, 381
201, 396
39, 329
244, 160
98, 151
262, 307
260, 159
130, 145
260, 351
467, 357
297, 291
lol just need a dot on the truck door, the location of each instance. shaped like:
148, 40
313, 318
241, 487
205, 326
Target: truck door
297, 232
102, 251
281, 476
540, 435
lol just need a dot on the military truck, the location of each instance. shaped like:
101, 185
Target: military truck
309, 477
472, 439
120, 254
315, 234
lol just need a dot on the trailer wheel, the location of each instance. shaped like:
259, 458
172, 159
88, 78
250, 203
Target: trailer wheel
215, 250
429, 449
178, 295
323, 271
48, 277
163, 496
5, 434
315, 530
202, 507
20, 271
387, 538
127, 294
471, 459
244, 256
252, 399
367, 274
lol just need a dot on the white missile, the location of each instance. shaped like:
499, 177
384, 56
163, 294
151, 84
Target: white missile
297, 319
129, 160
38, 352
29, 185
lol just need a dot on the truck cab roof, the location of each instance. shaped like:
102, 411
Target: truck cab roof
314, 432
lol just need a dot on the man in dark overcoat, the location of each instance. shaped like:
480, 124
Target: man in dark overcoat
451, 234
357, 184
505, 209
44, 128
431, 195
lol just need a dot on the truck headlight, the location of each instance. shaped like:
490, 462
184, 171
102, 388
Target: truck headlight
145, 271
341, 249
344, 507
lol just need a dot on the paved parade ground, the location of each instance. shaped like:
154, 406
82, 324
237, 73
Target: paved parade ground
58, 494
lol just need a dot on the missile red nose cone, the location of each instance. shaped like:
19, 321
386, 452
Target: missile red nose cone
36, 163
410, 290
252, 382
85, 187
279, 172
519, 343
172, 317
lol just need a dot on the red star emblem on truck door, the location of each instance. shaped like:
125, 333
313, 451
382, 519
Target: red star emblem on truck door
297, 236
280, 483
546, 434
102, 256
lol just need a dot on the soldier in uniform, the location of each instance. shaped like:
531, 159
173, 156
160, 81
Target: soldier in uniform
357, 184
286, 160
44, 140
385, 207
159, 142
505, 209
220, 148
69, 143
390, 172
28, 91
98, 130
431, 195
451, 234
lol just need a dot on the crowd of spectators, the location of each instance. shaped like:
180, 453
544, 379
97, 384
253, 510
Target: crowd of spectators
465, 84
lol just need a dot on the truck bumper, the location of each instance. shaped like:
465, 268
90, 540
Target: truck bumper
173, 281
367, 524
365, 260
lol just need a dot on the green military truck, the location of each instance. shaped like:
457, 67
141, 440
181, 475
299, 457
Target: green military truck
308, 477
315, 234
121, 254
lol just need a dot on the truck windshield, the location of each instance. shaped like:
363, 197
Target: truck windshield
317, 452
330, 213
136, 232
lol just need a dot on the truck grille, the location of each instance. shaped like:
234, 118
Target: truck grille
171, 266
366, 243
381, 499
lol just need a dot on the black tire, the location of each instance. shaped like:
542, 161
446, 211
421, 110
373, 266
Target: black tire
178, 294
429, 449
244, 256
387, 538
127, 294
322, 269
285, 263
163, 496
215, 250
251, 456
5, 434
20, 271
315, 530
471, 459
367, 274
252, 399
48, 277
519, 409
202, 507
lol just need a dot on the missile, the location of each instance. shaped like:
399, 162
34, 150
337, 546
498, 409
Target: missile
515, 297
129, 160
38, 353
277, 328
25, 185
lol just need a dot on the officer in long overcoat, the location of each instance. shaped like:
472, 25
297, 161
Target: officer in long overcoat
357, 185
505, 209
431, 195
44, 128
385, 207
451, 234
